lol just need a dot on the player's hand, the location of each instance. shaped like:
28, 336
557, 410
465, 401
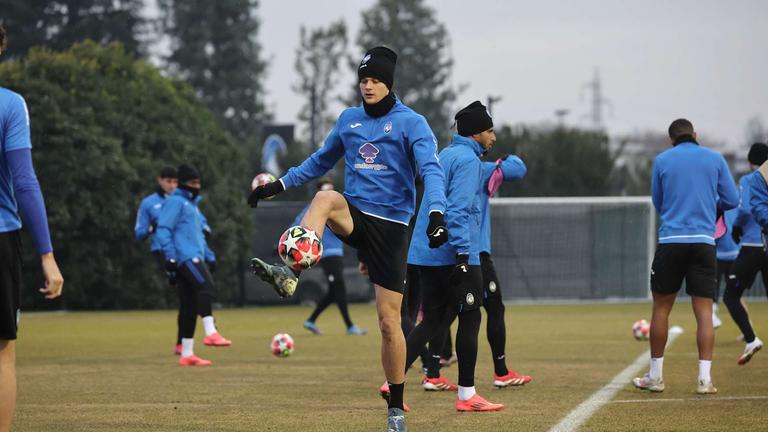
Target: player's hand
211, 266
460, 270
170, 265
362, 268
437, 232
736, 233
54, 281
264, 191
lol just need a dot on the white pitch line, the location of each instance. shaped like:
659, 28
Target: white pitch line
579, 415
693, 399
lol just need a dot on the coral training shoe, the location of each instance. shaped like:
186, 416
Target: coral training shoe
282, 279
311, 326
705, 387
217, 340
438, 384
512, 378
384, 392
194, 360
177, 349
646, 383
478, 404
749, 350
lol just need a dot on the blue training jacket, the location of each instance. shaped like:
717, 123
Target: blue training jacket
14, 135
462, 169
751, 230
759, 198
688, 184
179, 229
380, 158
512, 168
727, 249
149, 211
332, 246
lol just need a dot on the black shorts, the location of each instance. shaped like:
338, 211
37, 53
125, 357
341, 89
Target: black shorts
383, 247
10, 284
491, 287
751, 259
438, 293
693, 262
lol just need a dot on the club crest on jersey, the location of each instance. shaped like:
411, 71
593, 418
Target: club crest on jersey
369, 152
388, 127
492, 287
470, 299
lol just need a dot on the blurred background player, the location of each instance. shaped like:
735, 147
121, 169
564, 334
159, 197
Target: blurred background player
686, 247
333, 267
751, 259
19, 194
451, 280
507, 168
727, 249
383, 142
186, 254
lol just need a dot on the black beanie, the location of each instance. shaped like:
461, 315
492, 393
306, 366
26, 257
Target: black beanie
378, 63
758, 153
473, 119
187, 173
168, 172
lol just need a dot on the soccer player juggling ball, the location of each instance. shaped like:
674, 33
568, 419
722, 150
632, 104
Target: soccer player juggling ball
382, 143
689, 184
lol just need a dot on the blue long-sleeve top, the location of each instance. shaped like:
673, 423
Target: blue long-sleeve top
179, 229
149, 212
727, 249
381, 155
759, 198
751, 235
688, 184
512, 168
20, 195
332, 246
461, 165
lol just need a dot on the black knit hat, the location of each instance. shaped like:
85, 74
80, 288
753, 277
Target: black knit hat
168, 172
187, 173
473, 119
378, 63
758, 154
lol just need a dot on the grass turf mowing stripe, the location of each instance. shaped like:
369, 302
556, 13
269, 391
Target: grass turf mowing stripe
700, 398
579, 415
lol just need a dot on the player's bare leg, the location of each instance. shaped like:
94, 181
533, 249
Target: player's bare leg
7, 383
705, 333
392, 339
662, 306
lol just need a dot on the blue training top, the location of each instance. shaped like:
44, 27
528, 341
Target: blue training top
688, 184
727, 249
461, 166
512, 168
332, 246
180, 229
380, 158
149, 212
751, 235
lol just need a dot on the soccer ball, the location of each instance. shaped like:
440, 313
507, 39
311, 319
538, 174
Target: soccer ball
300, 248
641, 329
282, 345
262, 179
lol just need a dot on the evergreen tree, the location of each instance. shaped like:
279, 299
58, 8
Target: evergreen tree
424, 64
57, 24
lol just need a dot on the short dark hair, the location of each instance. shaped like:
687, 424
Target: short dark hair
2, 38
680, 127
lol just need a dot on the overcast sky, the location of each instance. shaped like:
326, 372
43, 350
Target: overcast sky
706, 60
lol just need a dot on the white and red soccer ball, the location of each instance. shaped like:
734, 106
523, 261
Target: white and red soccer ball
282, 345
300, 248
641, 330
262, 179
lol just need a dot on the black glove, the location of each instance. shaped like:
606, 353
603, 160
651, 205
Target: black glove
264, 191
153, 227
170, 265
436, 230
460, 271
736, 233
211, 266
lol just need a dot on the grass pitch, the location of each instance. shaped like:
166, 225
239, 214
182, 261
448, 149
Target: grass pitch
114, 371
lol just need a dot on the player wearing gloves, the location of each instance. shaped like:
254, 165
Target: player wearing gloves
186, 253
383, 143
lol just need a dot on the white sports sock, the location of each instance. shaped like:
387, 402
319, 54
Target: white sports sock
209, 326
466, 393
657, 368
704, 368
186, 347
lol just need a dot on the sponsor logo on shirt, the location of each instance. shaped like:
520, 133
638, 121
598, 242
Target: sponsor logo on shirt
369, 152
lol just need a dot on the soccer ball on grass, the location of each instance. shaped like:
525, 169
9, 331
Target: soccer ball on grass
641, 329
282, 345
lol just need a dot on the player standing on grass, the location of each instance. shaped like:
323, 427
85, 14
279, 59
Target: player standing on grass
508, 168
186, 254
333, 267
382, 143
688, 185
19, 193
451, 280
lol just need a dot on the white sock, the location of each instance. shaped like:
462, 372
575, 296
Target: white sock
657, 368
209, 326
704, 367
186, 347
466, 393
